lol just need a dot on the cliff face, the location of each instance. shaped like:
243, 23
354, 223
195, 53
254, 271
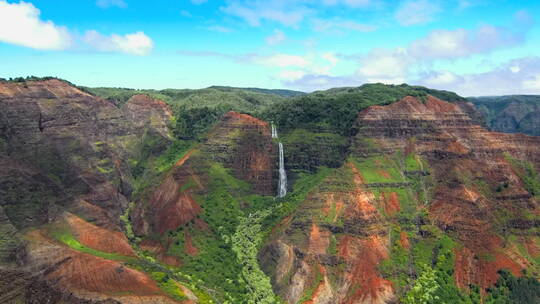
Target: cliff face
511, 114
478, 190
419, 187
239, 143
243, 143
424, 185
65, 152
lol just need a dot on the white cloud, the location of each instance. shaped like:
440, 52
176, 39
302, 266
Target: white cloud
499, 81
254, 12
111, 3
277, 38
20, 24
331, 58
313, 82
291, 75
417, 12
462, 43
337, 25
283, 60
135, 44
386, 66
441, 78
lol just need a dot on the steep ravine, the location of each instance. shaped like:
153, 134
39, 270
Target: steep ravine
413, 200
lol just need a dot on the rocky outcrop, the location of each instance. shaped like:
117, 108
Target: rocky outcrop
243, 143
238, 142
511, 114
62, 149
148, 113
477, 187
330, 249
409, 157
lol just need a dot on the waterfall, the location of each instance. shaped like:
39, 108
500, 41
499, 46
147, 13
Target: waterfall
274, 131
282, 187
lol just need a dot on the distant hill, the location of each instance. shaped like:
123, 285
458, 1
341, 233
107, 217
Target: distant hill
279, 92
512, 114
243, 100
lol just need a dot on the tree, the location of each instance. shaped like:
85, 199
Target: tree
424, 288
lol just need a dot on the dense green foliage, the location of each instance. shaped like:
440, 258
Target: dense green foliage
509, 289
307, 150
193, 123
336, 109
424, 288
244, 100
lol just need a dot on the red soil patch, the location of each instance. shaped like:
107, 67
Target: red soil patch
149, 102
99, 238
235, 117
189, 247
328, 202
532, 247
391, 203
173, 208
357, 177
181, 161
85, 273
457, 147
473, 268
383, 173
319, 289
404, 240
89, 273
318, 240
364, 255
436, 105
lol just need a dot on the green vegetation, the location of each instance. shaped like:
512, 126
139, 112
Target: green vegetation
424, 288
193, 123
245, 243
337, 109
244, 100
528, 174
64, 235
307, 150
168, 285
509, 289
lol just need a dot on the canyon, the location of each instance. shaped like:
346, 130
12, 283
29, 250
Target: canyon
386, 191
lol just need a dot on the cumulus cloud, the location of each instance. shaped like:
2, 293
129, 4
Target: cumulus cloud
288, 12
315, 82
20, 24
254, 12
135, 44
417, 12
394, 65
276, 38
518, 76
283, 60
337, 25
387, 66
462, 43
111, 3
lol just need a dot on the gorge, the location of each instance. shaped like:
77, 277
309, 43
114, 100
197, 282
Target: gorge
370, 194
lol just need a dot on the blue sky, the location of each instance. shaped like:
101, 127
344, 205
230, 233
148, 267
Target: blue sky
474, 47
